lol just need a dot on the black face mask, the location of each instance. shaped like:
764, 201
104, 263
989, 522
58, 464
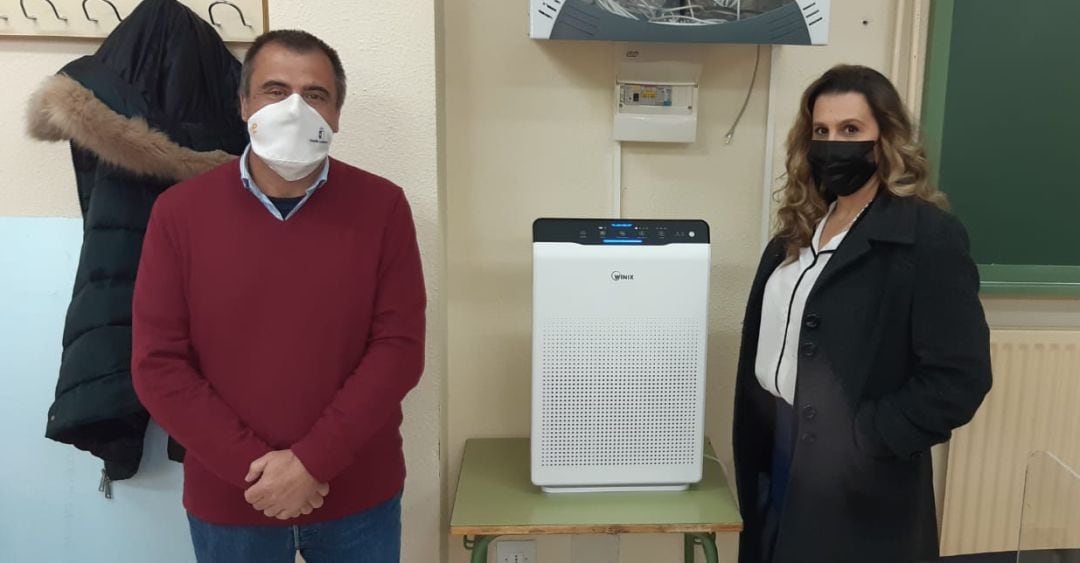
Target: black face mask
842, 167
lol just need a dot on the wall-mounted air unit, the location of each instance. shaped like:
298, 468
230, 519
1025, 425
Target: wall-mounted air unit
790, 22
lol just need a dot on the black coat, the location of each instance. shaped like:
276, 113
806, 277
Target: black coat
154, 105
894, 354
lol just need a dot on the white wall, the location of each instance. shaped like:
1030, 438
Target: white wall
49, 504
38, 180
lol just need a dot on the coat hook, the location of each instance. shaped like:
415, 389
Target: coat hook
234, 6
111, 5
22, 4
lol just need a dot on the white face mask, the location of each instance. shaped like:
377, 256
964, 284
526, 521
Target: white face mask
290, 137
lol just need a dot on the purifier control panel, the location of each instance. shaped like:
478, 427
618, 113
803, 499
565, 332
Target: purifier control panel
621, 231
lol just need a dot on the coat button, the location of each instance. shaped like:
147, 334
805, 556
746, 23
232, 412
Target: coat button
809, 413
812, 321
809, 349
809, 438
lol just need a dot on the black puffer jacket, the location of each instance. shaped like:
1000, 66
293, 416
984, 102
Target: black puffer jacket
154, 105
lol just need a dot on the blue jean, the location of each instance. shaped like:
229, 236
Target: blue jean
371, 536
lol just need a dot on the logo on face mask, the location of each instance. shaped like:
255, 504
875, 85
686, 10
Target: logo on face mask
322, 135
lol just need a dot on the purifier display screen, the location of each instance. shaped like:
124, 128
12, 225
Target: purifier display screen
621, 231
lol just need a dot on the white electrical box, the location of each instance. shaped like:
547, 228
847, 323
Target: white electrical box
656, 91
620, 325
658, 113
515, 551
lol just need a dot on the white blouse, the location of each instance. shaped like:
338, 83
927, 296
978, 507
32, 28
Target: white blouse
782, 311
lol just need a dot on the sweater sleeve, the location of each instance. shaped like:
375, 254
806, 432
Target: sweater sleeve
164, 369
390, 367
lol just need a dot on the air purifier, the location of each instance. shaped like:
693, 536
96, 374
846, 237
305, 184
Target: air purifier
620, 325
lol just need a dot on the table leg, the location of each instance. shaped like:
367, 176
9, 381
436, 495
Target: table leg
479, 547
707, 543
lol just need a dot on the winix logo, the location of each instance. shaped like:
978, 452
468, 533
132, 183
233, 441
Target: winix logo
619, 276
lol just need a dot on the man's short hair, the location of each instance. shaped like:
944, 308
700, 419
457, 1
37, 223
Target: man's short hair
298, 42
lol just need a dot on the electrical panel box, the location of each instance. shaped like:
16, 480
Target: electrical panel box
656, 90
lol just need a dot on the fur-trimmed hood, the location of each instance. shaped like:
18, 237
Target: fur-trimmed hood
157, 91
62, 109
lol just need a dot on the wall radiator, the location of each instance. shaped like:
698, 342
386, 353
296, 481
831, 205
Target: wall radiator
1034, 405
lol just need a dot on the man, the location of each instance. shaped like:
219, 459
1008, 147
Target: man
278, 323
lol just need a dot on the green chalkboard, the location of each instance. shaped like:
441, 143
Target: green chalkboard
1001, 122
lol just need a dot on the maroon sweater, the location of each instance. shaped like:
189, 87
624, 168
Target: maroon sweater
252, 335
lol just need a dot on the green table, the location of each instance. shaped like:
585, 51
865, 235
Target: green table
495, 497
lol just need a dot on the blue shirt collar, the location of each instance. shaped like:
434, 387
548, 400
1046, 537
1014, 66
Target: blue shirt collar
249, 184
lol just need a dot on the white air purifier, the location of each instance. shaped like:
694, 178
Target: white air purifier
620, 325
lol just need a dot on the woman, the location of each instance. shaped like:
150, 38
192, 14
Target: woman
864, 342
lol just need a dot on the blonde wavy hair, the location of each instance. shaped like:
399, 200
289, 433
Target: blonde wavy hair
903, 169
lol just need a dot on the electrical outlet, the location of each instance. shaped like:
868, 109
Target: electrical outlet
515, 551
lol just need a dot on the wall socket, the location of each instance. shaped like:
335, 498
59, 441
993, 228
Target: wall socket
517, 551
